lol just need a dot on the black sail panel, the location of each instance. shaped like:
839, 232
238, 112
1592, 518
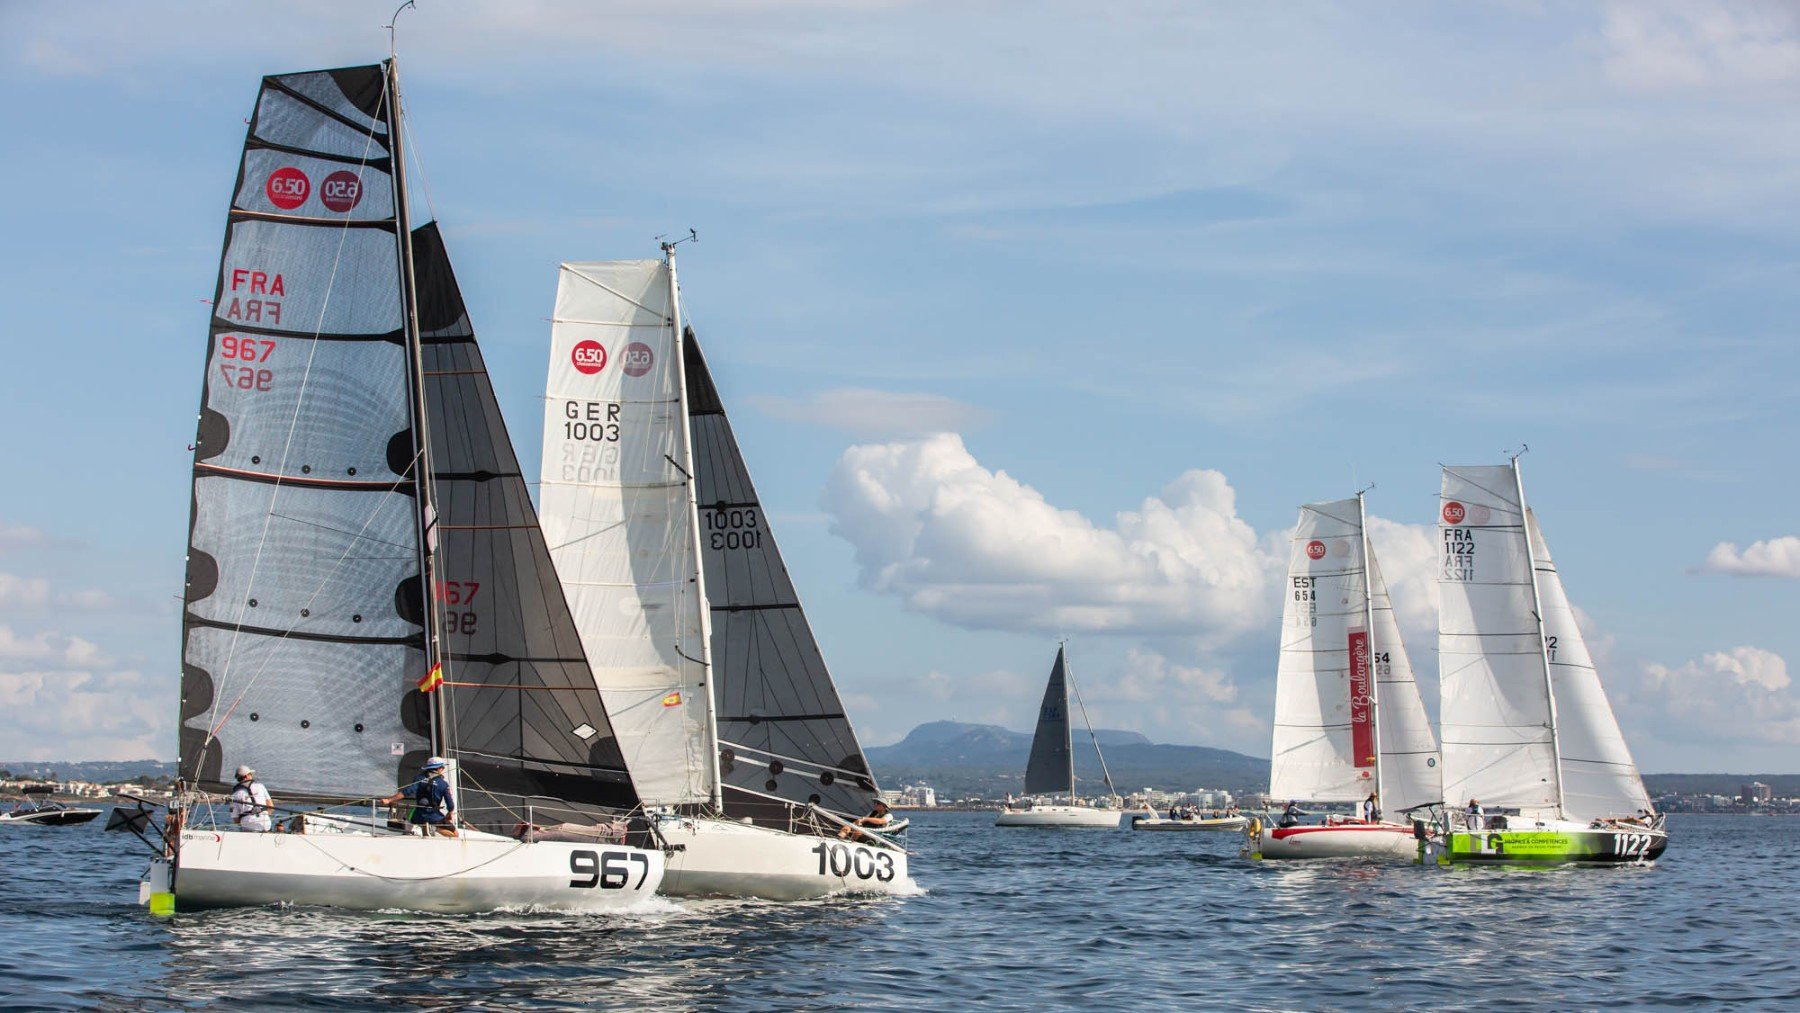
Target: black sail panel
783, 734
1048, 771
526, 722
301, 624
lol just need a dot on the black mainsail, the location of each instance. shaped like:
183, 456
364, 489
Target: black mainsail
304, 618
525, 721
783, 735
1051, 768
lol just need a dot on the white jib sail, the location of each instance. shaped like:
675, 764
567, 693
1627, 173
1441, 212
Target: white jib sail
1599, 777
1499, 740
1324, 729
1409, 771
616, 513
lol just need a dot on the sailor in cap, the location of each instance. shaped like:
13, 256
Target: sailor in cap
250, 803
434, 806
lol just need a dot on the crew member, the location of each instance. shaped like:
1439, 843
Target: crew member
434, 807
878, 817
250, 803
1290, 816
1371, 808
1473, 809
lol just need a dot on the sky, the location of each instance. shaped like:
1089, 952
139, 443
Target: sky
1035, 320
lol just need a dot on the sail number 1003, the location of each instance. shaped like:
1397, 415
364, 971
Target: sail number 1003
846, 860
592, 421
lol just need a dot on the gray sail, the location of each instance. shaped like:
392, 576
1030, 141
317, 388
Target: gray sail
783, 735
525, 721
302, 626
1050, 771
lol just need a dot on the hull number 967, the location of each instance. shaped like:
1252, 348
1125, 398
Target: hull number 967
846, 860
608, 870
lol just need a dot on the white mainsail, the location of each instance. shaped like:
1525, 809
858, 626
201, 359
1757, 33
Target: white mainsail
1408, 768
1497, 715
617, 511
1598, 775
1318, 727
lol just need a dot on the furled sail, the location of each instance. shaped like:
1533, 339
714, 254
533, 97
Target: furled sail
525, 721
303, 611
783, 733
1408, 770
1498, 734
1324, 743
617, 513
1051, 769
1598, 775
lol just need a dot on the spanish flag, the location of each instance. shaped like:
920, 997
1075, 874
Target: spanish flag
673, 699
433, 679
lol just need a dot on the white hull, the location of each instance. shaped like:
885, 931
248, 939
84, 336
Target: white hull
1158, 823
1345, 840
719, 858
476, 872
1059, 816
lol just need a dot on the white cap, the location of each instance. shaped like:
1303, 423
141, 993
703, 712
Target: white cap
244, 771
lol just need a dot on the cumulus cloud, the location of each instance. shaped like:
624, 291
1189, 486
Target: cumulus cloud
1775, 557
1163, 698
1660, 47
978, 548
26, 593
67, 698
1725, 696
19, 536
877, 413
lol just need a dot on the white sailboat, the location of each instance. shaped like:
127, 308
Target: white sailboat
1530, 740
1348, 717
725, 712
1050, 771
339, 540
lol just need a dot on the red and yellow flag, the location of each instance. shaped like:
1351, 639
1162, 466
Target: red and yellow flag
673, 699
433, 679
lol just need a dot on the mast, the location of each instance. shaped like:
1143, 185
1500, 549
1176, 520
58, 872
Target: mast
1362, 529
693, 520
415, 379
1537, 614
1112, 792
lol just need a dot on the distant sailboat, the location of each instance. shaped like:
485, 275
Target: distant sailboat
366, 585
1050, 772
1529, 737
726, 715
1348, 718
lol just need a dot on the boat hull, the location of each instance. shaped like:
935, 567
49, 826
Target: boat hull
51, 818
469, 874
1555, 845
1073, 816
1345, 840
1158, 823
719, 858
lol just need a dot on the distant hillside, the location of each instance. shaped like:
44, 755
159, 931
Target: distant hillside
1782, 785
98, 771
963, 759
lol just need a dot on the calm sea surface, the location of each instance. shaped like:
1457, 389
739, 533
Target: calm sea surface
1021, 919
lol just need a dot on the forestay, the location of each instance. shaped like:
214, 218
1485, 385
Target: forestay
616, 513
1499, 743
783, 733
1408, 767
1598, 775
1324, 745
303, 611
1051, 768
526, 722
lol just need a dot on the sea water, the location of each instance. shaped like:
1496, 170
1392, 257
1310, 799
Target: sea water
1013, 919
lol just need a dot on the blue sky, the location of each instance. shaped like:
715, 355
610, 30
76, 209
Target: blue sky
1034, 319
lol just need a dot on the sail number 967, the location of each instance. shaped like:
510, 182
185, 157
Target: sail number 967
732, 528
846, 860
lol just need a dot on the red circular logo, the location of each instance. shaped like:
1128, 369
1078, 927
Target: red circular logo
588, 357
1315, 549
638, 359
288, 188
341, 190
1454, 512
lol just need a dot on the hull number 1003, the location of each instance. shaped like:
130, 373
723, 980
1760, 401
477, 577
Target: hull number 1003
846, 860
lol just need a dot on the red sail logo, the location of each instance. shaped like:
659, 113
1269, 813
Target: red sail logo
638, 359
1315, 549
1362, 725
341, 191
588, 357
1454, 512
288, 188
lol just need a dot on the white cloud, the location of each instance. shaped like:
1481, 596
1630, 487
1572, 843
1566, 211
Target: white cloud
28, 593
978, 548
1661, 47
1724, 697
20, 536
1775, 557
876, 413
67, 699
